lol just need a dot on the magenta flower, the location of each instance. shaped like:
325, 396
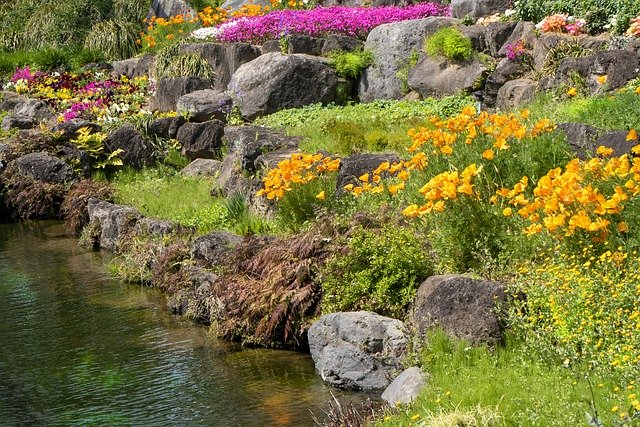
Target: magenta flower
22, 74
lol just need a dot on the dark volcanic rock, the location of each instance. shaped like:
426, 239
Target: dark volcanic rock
201, 140
45, 167
137, 150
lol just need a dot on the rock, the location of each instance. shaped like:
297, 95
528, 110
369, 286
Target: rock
547, 42
9, 100
134, 67
233, 5
254, 141
45, 167
274, 82
392, 45
476, 34
357, 350
270, 46
515, 93
354, 166
206, 104
340, 43
103, 67
298, 43
137, 150
72, 155
202, 167
201, 140
505, 71
405, 388
439, 76
523, 31
620, 67
478, 8
154, 227
170, 89
581, 137
169, 8
212, 249
69, 130
270, 159
34, 109
195, 299
224, 58
464, 308
115, 222
496, 35
617, 139
13, 121
166, 127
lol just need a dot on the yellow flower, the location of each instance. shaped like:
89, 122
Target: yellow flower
320, 195
602, 79
572, 92
364, 177
507, 211
488, 154
632, 135
637, 90
415, 417
604, 151
623, 227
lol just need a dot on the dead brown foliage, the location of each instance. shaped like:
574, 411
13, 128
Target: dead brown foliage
27, 198
272, 293
167, 273
74, 206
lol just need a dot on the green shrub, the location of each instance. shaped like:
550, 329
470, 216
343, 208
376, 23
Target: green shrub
350, 64
170, 63
450, 43
116, 39
380, 271
130, 11
52, 59
301, 205
241, 220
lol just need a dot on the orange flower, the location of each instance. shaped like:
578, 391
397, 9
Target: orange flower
488, 154
572, 92
632, 135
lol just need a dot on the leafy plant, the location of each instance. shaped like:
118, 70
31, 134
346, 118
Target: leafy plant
450, 43
116, 39
93, 145
378, 270
171, 63
351, 64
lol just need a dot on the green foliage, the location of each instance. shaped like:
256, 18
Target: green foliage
170, 63
450, 43
509, 385
93, 145
116, 39
563, 50
161, 193
403, 72
350, 64
130, 11
53, 59
380, 271
242, 221
301, 205
599, 14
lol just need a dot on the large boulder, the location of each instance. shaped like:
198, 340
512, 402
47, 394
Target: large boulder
522, 31
340, 43
253, 141
617, 140
581, 137
201, 140
33, 108
358, 164
168, 8
45, 167
9, 100
464, 308
439, 76
505, 71
224, 58
202, 167
299, 43
233, 5
515, 93
170, 89
478, 8
69, 130
392, 46
166, 127
206, 104
138, 151
496, 35
405, 388
134, 67
357, 350
274, 82
12, 121
114, 222
213, 249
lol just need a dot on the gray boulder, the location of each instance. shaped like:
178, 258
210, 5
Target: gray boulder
202, 167
168, 8
233, 5
299, 43
358, 164
515, 93
34, 109
170, 89
478, 8
581, 137
206, 104
338, 42
392, 45
464, 308
134, 67
212, 249
166, 127
253, 141
405, 388
357, 350
496, 34
476, 34
13, 121
154, 227
201, 140
224, 58
274, 82
504, 72
195, 298
617, 140
45, 167
115, 222
69, 130
439, 76
522, 31
138, 151
9, 100
270, 46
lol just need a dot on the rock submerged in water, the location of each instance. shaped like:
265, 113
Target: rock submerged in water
357, 350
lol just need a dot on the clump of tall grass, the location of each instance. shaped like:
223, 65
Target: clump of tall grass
117, 39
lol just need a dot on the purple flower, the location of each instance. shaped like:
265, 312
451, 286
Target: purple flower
22, 74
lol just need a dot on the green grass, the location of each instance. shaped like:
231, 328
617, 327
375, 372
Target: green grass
161, 193
377, 126
507, 384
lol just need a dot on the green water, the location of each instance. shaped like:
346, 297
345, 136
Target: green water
79, 348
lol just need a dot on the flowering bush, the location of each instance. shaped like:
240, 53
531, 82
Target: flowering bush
517, 51
634, 28
562, 23
352, 21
